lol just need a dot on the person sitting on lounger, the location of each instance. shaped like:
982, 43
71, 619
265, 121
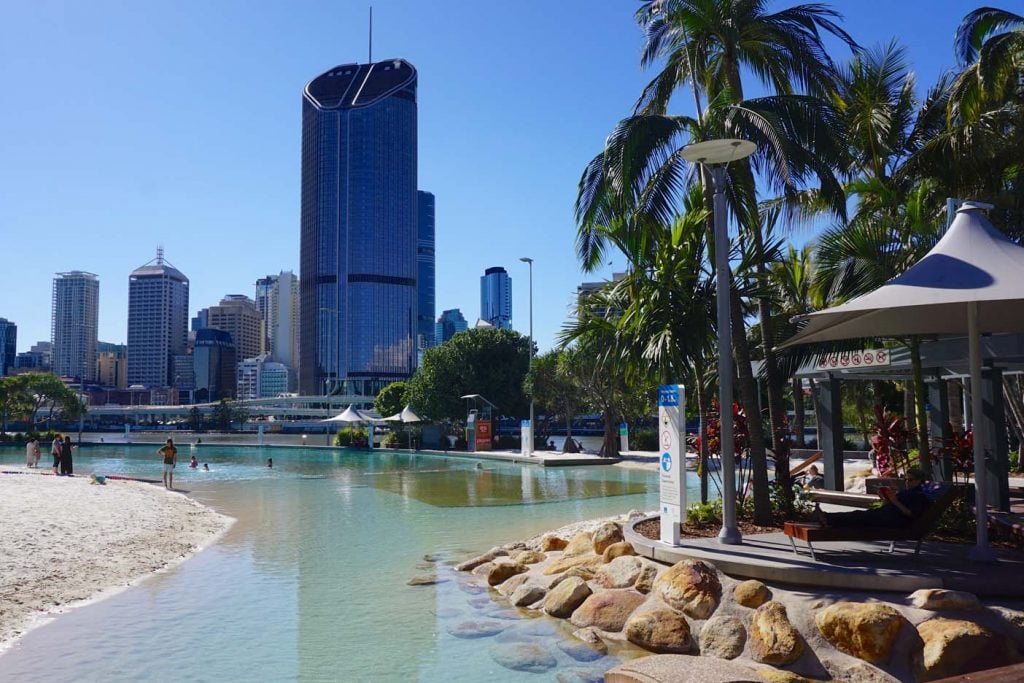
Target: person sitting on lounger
900, 509
813, 478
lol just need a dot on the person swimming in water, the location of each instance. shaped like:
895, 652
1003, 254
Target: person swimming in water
193, 463
206, 467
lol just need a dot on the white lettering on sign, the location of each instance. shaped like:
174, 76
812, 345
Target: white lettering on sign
847, 360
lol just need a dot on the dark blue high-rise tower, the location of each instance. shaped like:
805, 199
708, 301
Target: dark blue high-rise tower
425, 266
358, 316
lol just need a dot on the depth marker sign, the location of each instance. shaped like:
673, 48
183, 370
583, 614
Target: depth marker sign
672, 484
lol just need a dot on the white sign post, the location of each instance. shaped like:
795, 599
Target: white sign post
526, 438
671, 418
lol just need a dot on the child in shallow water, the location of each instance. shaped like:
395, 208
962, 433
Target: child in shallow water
206, 467
193, 463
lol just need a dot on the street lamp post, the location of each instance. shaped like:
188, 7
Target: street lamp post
529, 261
716, 155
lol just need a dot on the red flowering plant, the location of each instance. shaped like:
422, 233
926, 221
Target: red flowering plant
741, 441
889, 444
960, 450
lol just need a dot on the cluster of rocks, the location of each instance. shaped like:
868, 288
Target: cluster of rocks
599, 585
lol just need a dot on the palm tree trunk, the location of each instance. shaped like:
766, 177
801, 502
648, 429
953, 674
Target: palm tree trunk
748, 399
798, 411
776, 407
610, 448
920, 398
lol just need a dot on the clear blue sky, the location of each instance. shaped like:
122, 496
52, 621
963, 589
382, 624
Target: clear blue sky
127, 125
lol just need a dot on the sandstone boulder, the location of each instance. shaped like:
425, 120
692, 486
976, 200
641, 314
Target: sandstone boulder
661, 630
668, 668
769, 675
470, 565
519, 656
773, 639
482, 569
723, 637
619, 549
607, 610
865, 630
621, 572
592, 638
645, 580
607, 534
476, 629
935, 599
581, 651
527, 594
588, 561
690, 586
582, 542
425, 580
509, 586
751, 593
501, 571
564, 598
953, 647
528, 556
551, 542
580, 675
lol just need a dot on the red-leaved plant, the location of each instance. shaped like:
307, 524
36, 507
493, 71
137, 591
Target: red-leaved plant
889, 443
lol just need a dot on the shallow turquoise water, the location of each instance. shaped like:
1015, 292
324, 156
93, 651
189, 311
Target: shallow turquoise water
310, 583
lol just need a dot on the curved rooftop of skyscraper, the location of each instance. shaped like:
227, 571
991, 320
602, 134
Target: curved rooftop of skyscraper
360, 85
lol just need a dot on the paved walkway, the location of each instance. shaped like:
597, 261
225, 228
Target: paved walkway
849, 565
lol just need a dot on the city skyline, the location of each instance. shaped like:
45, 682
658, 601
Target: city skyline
500, 126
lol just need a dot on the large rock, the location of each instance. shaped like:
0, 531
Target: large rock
471, 564
607, 610
564, 598
681, 668
581, 651
476, 629
527, 594
864, 630
580, 675
723, 637
588, 561
482, 569
773, 639
550, 542
591, 637
509, 586
861, 672
953, 647
661, 630
619, 549
769, 675
935, 599
582, 542
621, 572
519, 656
645, 580
690, 586
751, 593
607, 534
528, 556
502, 571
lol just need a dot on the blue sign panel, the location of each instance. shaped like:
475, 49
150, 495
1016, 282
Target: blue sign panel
666, 461
668, 395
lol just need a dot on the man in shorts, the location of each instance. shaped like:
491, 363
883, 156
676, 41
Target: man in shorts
170, 456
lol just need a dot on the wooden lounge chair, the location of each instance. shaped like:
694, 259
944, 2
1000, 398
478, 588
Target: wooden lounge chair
799, 469
942, 497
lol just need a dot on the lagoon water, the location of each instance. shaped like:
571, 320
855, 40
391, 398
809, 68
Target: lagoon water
310, 584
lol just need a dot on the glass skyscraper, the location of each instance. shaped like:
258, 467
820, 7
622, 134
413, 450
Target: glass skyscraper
75, 324
448, 325
425, 265
358, 265
157, 321
8, 345
496, 298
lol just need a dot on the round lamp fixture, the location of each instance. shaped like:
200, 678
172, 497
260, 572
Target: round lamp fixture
718, 151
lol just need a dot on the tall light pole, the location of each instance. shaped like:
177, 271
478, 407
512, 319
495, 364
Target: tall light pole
715, 155
529, 261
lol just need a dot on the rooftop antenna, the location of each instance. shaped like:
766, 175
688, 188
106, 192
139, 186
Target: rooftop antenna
370, 56
160, 254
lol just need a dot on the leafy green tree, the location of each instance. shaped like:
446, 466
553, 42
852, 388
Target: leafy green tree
14, 401
195, 419
553, 392
490, 362
391, 399
226, 413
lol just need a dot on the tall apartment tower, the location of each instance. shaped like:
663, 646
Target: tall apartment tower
277, 299
496, 298
157, 321
74, 324
358, 220
237, 315
8, 346
425, 269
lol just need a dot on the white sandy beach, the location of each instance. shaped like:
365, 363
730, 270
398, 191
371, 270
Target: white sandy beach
64, 541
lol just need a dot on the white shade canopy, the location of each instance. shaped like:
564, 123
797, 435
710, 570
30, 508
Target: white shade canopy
971, 281
350, 414
405, 416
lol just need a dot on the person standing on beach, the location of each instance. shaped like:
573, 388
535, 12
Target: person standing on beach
67, 469
31, 453
170, 455
55, 448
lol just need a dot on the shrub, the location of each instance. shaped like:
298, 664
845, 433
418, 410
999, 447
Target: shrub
643, 440
351, 437
399, 439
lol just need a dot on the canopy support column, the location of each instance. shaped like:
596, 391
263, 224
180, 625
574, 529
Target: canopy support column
938, 425
829, 409
981, 552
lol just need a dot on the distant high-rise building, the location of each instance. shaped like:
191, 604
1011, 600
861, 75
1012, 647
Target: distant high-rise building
202, 319
277, 299
213, 363
157, 321
237, 315
496, 298
448, 325
112, 365
8, 346
261, 378
358, 244
586, 289
36, 358
74, 324
425, 269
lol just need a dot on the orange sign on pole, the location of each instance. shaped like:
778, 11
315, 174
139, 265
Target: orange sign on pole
483, 435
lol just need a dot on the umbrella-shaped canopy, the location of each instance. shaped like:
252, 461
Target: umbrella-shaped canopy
350, 414
405, 416
971, 281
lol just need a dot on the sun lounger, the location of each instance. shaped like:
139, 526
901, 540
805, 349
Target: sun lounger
799, 469
918, 530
